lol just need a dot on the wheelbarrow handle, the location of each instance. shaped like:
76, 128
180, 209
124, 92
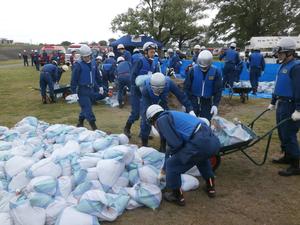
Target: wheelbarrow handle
255, 119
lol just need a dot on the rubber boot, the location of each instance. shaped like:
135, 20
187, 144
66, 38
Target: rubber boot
44, 100
144, 142
52, 99
175, 196
127, 129
210, 187
282, 160
93, 125
80, 123
292, 170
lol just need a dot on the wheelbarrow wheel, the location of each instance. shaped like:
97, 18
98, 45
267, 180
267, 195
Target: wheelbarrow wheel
215, 162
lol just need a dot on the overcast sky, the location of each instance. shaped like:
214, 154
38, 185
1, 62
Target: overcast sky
38, 21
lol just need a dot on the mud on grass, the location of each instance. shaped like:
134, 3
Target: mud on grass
246, 194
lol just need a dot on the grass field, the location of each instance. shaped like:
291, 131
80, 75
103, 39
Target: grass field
247, 194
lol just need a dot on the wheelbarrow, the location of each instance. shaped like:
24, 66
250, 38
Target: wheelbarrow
245, 146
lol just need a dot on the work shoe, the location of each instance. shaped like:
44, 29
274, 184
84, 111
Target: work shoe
175, 196
282, 160
121, 105
210, 187
44, 100
144, 142
293, 169
93, 125
127, 129
52, 99
80, 123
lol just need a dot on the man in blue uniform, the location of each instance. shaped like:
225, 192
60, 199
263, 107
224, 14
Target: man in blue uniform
123, 52
136, 55
174, 62
37, 60
108, 69
286, 97
145, 65
232, 59
203, 86
190, 142
84, 83
196, 53
256, 65
156, 91
48, 77
123, 77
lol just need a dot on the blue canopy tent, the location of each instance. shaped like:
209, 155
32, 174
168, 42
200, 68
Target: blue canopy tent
132, 41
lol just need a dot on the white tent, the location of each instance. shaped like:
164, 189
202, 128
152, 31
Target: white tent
269, 42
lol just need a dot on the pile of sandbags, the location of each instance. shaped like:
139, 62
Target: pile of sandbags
54, 174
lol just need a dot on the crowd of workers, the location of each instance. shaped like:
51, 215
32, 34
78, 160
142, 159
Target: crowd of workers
185, 137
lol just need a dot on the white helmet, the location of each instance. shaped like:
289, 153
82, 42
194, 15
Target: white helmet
120, 46
65, 68
256, 48
197, 47
286, 44
85, 50
157, 82
54, 62
120, 59
149, 45
170, 50
99, 57
205, 58
136, 50
203, 47
111, 54
152, 111
177, 49
233, 45
35, 50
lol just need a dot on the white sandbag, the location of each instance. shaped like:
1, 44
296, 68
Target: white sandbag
20, 181
228, 132
86, 186
64, 187
88, 162
44, 167
10, 135
150, 156
29, 120
193, 172
92, 174
5, 198
107, 207
5, 155
132, 204
109, 170
43, 184
55, 130
120, 152
39, 199
4, 145
103, 143
87, 136
145, 174
70, 214
72, 98
5, 219
66, 166
71, 148
86, 147
54, 209
17, 164
3, 130
123, 139
22, 150
23, 213
188, 182
146, 194
26, 128
79, 176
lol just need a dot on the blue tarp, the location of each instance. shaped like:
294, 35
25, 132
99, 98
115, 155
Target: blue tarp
268, 75
131, 41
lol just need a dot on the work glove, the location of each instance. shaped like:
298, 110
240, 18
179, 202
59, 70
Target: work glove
271, 107
205, 120
154, 131
162, 176
296, 115
192, 113
101, 91
214, 110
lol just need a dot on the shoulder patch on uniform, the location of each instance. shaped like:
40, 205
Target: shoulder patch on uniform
284, 71
211, 78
